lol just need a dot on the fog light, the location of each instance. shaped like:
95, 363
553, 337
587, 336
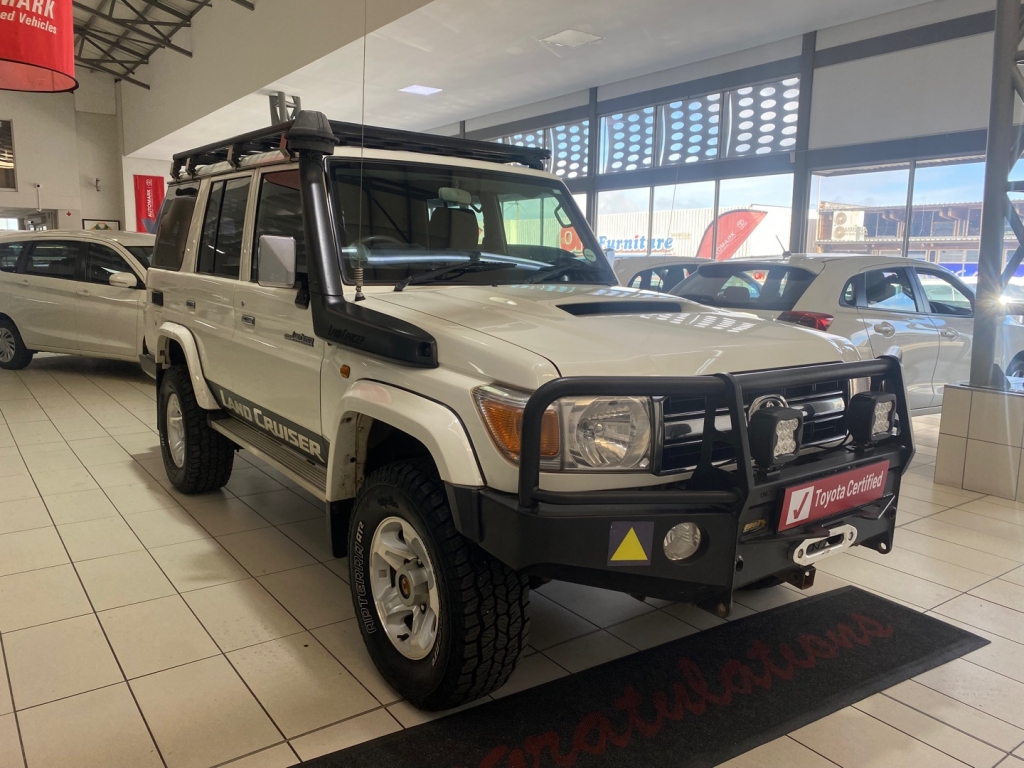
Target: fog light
775, 435
682, 541
871, 416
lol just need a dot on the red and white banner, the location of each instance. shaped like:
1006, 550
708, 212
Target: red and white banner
149, 196
831, 495
37, 46
734, 228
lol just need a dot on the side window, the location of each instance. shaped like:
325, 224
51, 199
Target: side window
220, 249
101, 262
637, 281
944, 296
658, 279
9, 253
172, 229
889, 289
53, 259
848, 298
280, 213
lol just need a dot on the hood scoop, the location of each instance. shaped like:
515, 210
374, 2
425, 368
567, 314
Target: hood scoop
591, 308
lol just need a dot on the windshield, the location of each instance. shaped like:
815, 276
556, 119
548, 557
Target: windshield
142, 253
400, 221
745, 286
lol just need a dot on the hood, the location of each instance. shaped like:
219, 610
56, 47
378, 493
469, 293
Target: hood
612, 331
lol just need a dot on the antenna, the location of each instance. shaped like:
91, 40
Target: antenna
785, 250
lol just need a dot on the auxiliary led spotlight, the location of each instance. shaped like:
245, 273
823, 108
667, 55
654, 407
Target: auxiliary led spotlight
871, 416
682, 541
775, 435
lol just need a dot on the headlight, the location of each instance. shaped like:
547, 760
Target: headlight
591, 433
608, 433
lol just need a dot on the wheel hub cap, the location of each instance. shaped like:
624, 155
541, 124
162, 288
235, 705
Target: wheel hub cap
6, 345
404, 588
175, 431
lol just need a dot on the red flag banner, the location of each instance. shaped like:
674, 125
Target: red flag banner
37, 46
734, 228
149, 196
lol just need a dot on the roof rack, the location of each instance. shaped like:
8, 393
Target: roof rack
354, 135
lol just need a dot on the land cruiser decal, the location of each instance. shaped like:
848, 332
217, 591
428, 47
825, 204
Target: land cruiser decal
287, 432
300, 338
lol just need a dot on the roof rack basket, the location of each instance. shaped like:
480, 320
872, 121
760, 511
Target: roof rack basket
354, 135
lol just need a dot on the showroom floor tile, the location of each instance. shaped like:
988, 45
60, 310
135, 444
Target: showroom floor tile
140, 627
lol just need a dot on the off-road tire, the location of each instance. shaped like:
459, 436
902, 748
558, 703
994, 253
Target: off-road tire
484, 604
208, 454
22, 356
1016, 367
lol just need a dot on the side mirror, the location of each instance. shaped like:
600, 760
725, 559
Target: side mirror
123, 280
277, 261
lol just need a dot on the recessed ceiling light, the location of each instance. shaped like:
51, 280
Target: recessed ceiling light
571, 38
420, 90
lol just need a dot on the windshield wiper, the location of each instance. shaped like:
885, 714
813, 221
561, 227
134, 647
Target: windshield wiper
551, 272
453, 270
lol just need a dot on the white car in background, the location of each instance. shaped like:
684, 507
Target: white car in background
877, 302
654, 273
80, 293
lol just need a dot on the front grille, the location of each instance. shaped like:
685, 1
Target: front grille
823, 404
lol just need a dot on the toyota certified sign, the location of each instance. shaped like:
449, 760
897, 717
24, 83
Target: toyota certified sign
829, 496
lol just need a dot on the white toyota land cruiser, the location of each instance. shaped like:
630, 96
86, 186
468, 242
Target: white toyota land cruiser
423, 332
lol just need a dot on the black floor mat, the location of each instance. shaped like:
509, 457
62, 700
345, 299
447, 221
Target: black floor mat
697, 701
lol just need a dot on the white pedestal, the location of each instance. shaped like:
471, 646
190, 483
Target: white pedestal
980, 439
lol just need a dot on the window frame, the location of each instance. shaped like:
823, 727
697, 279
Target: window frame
199, 223
908, 270
253, 217
27, 253
129, 266
952, 280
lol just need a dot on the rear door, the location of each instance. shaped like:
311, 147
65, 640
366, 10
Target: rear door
45, 294
951, 310
274, 333
895, 315
108, 317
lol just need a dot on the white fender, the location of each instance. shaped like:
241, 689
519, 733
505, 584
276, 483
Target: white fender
182, 335
433, 424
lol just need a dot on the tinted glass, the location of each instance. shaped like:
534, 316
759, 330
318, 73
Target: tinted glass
101, 262
9, 253
944, 296
172, 229
53, 259
745, 286
889, 289
142, 253
280, 213
220, 250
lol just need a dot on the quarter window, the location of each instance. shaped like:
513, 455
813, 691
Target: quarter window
220, 249
53, 259
101, 263
280, 213
889, 289
9, 253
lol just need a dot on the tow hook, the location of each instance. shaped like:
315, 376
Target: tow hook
802, 579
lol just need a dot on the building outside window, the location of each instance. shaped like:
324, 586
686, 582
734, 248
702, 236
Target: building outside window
682, 215
859, 210
623, 221
754, 216
8, 180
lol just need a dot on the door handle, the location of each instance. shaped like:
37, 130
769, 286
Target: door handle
249, 320
886, 329
949, 333
190, 304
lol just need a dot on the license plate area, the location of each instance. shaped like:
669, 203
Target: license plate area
832, 542
829, 496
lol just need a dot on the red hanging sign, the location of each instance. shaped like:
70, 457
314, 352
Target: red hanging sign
734, 228
149, 196
37, 46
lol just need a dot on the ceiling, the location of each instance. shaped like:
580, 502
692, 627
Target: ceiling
119, 36
486, 55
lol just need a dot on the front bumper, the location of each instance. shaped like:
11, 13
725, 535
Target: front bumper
568, 536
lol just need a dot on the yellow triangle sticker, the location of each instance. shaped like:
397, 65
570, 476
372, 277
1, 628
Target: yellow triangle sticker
630, 550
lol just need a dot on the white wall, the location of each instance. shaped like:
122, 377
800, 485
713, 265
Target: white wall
921, 91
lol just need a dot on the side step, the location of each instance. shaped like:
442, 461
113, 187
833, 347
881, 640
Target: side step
312, 477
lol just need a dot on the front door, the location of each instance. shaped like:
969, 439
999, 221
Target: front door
274, 336
108, 317
894, 316
45, 295
952, 313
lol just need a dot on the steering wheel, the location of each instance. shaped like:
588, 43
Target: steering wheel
372, 239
